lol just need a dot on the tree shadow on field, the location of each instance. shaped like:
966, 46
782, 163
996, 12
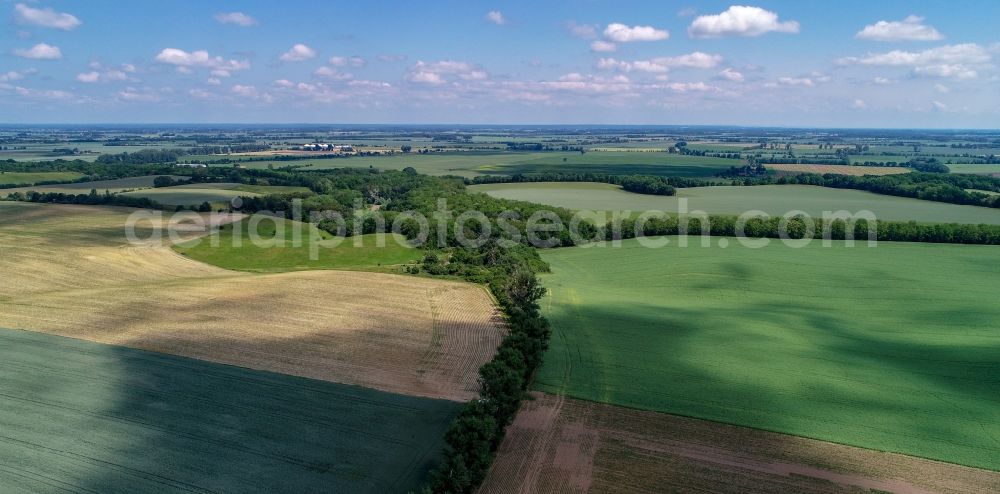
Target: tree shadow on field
794, 368
110, 419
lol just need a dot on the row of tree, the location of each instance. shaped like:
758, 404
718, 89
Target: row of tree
940, 187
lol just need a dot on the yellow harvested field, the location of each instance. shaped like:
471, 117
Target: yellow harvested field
563, 445
840, 169
68, 270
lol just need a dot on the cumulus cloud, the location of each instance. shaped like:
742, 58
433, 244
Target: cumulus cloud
41, 51
966, 53
199, 58
910, 29
731, 75
695, 60
347, 61
298, 53
100, 73
740, 20
949, 71
496, 17
235, 18
951, 61
244, 91
46, 17
620, 33
882, 81
859, 104
15, 75
939, 106
602, 46
941, 88
436, 73
332, 73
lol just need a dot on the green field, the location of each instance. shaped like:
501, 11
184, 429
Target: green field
35, 177
474, 163
973, 168
893, 348
333, 253
113, 186
772, 199
86, 417
215, 193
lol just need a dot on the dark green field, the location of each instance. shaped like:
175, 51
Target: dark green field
85, 417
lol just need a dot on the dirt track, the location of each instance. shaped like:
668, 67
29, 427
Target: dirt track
562, 445
67, 270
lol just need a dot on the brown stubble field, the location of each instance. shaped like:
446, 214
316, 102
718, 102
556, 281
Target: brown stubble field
563, 445
69, 271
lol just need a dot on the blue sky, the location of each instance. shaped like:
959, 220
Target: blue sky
849, 63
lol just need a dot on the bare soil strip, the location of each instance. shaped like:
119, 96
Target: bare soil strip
559, 444
67, 270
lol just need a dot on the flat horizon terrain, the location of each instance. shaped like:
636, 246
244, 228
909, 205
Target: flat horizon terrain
87, 417
894, 348
772, 199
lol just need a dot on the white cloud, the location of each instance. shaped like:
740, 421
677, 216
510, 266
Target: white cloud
89, 77
101, 73
434, 73
49, 94
732, 75
199, 58
331, 73
41, 51
45, 17
602, 46
684, 87
298, 53
496, 17
132, 94
949, 71
950, 61
236, 18
792, 81
244, 91
585, 31
939, 106
347, 61
621, 33
740, 20
200, 93
859, 104
909, 29
966, 53
213, 81
882, 81
220, 73
695, 60
941, 88
14, 75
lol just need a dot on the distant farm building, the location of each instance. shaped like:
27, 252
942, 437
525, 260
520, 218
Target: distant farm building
327, 147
